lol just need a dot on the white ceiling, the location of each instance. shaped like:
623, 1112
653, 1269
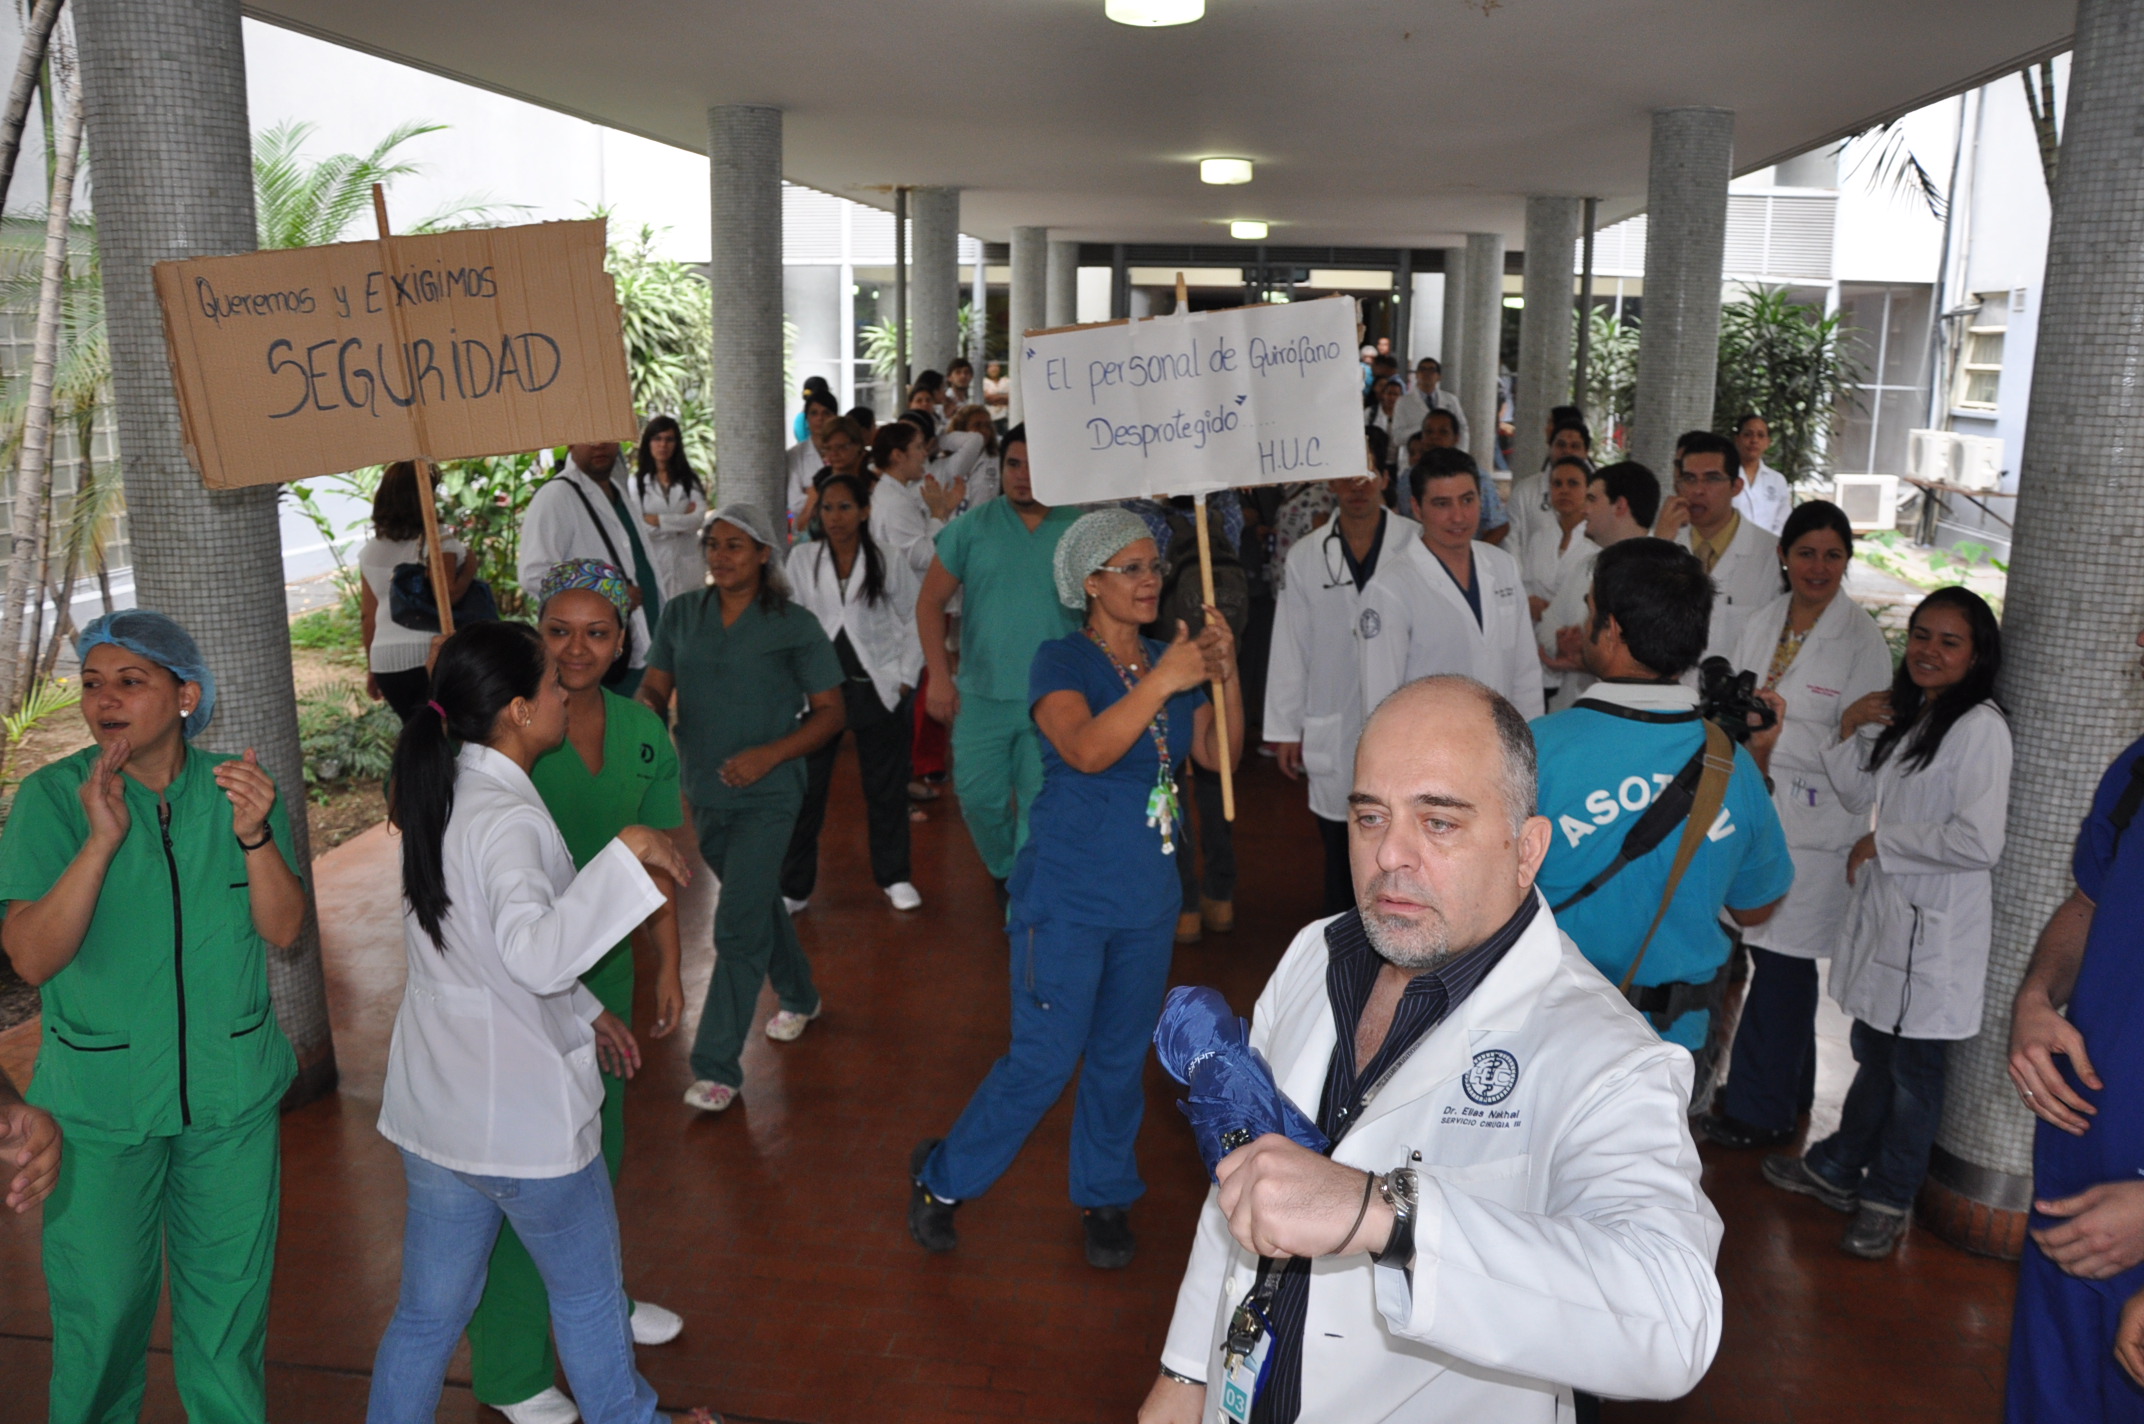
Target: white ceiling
1373, 122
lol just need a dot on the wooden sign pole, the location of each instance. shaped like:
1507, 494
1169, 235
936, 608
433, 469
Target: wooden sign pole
1220, 689
435, 558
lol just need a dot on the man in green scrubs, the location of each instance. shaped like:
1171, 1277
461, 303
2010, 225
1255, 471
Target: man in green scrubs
141, 915
742, 659
634, 781
998, 558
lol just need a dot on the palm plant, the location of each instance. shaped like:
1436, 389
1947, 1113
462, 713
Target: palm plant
1611, 394
1788, 363
667, 310
305, 203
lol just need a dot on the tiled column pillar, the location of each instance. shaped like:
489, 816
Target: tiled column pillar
935, 298
1453, 336
1027, 308
1482, 336
165, 92
744, 169
2069, 682
1061, 301
1544, 327
1685, 243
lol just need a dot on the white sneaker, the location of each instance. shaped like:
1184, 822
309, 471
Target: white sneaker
904, 896
794, 907
550, 1407
786, 1027
653, 1325
710, 1097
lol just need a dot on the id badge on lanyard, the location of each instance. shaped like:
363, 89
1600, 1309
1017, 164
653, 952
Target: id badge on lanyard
1247, 1357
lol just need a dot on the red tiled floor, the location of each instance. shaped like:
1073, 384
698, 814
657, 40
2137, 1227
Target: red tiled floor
778, 1231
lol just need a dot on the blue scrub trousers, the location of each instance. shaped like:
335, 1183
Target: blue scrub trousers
2062, 1366
1772, 1077
1082, 995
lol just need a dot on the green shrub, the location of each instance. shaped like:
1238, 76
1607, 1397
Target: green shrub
345, 738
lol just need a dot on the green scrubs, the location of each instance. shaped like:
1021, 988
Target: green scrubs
738, 687
1010, 608
510, 1353
163, 1062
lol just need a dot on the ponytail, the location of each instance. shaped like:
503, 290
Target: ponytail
480, 670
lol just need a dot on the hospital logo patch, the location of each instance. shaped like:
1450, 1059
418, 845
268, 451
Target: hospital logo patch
1494, 1074
1369, 624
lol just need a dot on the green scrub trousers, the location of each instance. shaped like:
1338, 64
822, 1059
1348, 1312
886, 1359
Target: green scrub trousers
997, 773
754, 939
209, 1198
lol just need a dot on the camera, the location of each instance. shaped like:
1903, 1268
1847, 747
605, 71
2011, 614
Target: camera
1730, 699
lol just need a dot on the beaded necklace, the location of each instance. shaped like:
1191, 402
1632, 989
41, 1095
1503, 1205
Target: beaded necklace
1162, 810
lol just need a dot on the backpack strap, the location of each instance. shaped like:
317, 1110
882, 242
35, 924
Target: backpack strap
1719, 758
601, 532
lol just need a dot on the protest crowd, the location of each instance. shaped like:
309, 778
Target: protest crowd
1603, 764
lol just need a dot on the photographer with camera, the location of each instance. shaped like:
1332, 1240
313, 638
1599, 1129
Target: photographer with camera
1659, 820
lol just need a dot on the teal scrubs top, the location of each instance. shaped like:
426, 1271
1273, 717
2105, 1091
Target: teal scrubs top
1011, 608
161, 1021
738, 687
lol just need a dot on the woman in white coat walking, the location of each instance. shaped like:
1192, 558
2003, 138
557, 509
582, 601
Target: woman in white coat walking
1929, 763
1817, 652
673, 504
492, 1090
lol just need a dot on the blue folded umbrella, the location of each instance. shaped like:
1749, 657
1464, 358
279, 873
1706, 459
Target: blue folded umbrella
1233, 1098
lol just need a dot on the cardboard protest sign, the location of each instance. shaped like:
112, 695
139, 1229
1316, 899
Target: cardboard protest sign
314, 360
1194, 403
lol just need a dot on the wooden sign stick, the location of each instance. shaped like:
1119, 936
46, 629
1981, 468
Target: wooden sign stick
435, 558
1220, 689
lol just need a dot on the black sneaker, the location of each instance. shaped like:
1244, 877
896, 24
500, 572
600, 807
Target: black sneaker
1733, 1132
1110, 1242
1789, 1173
1875, 1232
930, 1220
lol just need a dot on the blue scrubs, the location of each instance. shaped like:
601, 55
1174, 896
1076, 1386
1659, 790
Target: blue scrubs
1093, 924
2062, 1365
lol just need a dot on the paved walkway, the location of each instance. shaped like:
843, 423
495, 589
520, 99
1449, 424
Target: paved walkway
777, 1229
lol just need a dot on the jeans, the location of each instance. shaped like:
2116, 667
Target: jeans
570, 1227
1888, 1126
1774, 1063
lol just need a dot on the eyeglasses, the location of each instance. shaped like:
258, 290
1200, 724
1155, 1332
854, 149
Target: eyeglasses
1135, 571
1711, 477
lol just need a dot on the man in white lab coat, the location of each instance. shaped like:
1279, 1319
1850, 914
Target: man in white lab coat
1740, 554
1346, 633
1511, 1211
1765, 496
1487, 628
1621, 500
586, 511
1415, 405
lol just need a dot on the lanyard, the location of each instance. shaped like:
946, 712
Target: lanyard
1161, 806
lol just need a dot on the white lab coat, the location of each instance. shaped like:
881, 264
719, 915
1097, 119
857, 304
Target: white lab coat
901, 522
1562, 1241
1567, 609
492, 1067
555, 527
1338, 653
1745, 580
1412, 408
673, 543
1915, 958
1766, 499
1498, 651
799, 463
1533, 522
882, 633
1843, 658
1543, 556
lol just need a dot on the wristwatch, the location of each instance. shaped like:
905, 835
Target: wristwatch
1401, 1190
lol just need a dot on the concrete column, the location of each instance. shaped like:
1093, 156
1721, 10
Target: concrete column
1685, 242
1452, 338
2069, 680
744, 170
1061, 305
165, 93
1027, 307
1480, 339
979, 322
934, 296
1544, 327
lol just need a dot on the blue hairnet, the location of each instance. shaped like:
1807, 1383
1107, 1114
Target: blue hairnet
163, 642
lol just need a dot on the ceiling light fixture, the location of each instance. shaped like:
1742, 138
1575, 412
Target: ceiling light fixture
1248, 231
1150, 14
1224, 171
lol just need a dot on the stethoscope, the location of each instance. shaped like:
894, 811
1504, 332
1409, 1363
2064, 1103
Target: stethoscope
1335, 577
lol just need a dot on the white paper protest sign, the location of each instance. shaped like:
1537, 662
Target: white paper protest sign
1195, 403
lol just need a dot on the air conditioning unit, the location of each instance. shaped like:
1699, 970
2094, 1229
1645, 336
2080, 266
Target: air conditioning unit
1977, 462
1932, 455
1870, 501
